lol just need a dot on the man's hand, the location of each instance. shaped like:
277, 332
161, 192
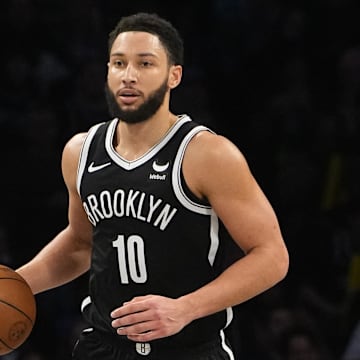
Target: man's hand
150, 317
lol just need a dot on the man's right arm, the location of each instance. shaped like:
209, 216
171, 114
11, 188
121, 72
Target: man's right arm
67, 256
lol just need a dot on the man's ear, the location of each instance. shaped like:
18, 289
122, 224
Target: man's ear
175, 76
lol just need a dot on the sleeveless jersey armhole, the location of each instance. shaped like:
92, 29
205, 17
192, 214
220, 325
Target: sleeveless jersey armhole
188, 191
186, 197
84, 153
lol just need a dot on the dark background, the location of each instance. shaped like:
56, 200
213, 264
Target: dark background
281, 79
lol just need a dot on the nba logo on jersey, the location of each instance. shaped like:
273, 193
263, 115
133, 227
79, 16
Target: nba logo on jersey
143, 348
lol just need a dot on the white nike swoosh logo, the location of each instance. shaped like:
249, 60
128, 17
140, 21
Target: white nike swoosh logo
92, 167
159, 168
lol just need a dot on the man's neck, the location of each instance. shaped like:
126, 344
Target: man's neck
134, 140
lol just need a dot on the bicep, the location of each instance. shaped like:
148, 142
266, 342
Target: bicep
245, 211
227, 182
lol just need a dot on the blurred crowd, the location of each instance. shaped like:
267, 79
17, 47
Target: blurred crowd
280, 78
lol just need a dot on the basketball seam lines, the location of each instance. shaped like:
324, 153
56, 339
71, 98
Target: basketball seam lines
9, 347
16, 308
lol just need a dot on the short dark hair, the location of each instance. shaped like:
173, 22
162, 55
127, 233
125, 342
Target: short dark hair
156, 25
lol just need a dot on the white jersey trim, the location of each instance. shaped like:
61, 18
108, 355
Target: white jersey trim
214, 237
129, 165
85, 303
225, 346
84, 154
176, 176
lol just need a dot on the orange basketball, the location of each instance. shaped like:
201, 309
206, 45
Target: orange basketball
17, 310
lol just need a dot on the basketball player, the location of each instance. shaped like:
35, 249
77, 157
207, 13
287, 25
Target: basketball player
149, 191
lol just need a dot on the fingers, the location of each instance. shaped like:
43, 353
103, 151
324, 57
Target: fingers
143, 332
133, 306
147, 337
137, 329
131, 319
147, 318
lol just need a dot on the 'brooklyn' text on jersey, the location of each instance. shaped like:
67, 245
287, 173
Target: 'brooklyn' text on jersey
134, 203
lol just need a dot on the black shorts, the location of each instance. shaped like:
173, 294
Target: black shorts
93, 345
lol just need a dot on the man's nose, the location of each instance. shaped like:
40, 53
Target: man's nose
130, 73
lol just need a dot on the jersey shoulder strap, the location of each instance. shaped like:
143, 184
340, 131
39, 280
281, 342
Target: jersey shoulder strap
97, 129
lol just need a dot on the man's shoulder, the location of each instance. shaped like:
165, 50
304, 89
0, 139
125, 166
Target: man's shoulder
78, 139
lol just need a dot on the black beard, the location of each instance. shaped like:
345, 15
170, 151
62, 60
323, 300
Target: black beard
144, 112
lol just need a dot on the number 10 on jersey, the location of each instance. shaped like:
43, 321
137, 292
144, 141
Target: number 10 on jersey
131, 258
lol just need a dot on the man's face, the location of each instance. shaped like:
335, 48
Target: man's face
138, 77
144, 111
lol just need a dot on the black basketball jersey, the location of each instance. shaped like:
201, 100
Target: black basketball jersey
150, 233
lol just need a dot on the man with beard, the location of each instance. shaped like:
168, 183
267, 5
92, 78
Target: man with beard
149, 192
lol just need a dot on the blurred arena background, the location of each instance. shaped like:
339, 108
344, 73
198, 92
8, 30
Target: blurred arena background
280, 78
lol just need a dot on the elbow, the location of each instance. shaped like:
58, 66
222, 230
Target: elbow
282, 263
